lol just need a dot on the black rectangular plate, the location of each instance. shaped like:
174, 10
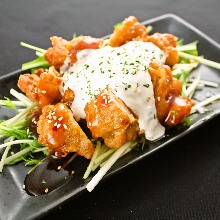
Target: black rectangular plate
15, 203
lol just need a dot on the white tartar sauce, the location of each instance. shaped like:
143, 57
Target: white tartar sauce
124, 70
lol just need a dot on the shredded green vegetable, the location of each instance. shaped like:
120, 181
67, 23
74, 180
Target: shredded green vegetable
108, 164
17, 129
39, 62
199, 60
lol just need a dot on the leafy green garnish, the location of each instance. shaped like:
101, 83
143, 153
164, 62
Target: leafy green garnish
180, 42
31, 161
39, 62
199, 60
187, 122
181, 72
142, 142
189, 52
107, 163
17, 128
118, 25
149, 28
33, 47
8, 103
190, 48
11, 132
75, 35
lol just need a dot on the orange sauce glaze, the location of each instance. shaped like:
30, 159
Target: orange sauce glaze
63, 49
59, 131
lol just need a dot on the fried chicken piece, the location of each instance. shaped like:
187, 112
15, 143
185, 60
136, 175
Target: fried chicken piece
59, 131
63, 49
68, 96
130, 30
108, 117
171, 108
167, 43
39, 71
43, 88
180, 107
28, 84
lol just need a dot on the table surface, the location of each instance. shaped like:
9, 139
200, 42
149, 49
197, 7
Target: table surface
181, 181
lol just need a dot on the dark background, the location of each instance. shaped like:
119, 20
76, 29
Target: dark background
181, 181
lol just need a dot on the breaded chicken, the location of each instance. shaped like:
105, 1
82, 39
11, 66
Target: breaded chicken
179, 109
108, 117
167, 43
171, 108
43, 89
130, 30
68, 96
59, 131
28, 84
63, 49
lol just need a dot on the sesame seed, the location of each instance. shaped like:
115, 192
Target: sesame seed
55, 124
46, 190
58, 125
43, 91
60, 118
170, 97
65, 126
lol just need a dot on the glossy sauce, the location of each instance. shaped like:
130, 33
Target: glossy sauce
124, 70
49, 175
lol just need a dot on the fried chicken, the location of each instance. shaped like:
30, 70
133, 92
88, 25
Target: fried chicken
43, 89
109, 118
63, 49
171, 107
129, 30
59, 131
167, 43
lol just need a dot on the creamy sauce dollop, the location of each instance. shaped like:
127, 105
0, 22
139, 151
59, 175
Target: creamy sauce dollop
124, 70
